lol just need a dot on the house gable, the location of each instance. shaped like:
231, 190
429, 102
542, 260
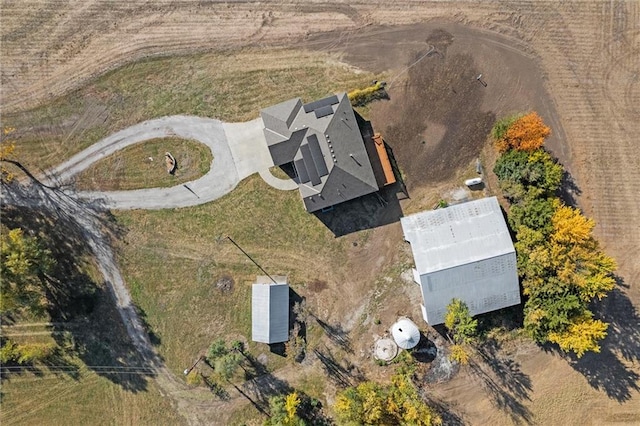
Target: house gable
324, 142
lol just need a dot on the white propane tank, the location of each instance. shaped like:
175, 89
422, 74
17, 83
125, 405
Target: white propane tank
473, 182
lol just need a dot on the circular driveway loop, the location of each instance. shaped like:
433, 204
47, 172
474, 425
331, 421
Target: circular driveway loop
239, 150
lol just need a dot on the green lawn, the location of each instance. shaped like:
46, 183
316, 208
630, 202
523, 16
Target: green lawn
143, 166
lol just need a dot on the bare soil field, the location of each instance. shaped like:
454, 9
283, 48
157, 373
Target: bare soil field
576, 63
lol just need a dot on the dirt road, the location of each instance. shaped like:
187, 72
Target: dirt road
588, 54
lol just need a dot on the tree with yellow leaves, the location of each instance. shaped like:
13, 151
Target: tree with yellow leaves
570, 226
525, 134
372, 404
23, 266
561, 274
7, 148
459, 322
561, 266
583, 335
295, 409
291, 403
576, 257
459, 354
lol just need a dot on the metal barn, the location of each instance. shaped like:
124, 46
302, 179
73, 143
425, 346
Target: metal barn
270, 310
465, 252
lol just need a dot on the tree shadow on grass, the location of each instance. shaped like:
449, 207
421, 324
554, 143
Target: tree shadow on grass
505, 384
259, 390
154, 338
253, 369
606, 371
342, 375
216, 388
73, 294
337, 335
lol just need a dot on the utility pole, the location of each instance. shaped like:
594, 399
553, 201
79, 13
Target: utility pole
188, 370
251, 259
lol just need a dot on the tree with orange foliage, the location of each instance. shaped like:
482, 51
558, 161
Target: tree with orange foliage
525, 134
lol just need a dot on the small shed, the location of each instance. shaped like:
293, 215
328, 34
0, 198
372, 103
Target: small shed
405, 333
270, 310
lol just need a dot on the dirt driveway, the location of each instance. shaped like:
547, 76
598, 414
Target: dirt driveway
588, 57
435, 122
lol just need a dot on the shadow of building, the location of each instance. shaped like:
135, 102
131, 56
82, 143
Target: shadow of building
367, 212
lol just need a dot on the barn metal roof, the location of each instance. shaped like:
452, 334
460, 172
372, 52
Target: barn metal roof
270, 310
457, 235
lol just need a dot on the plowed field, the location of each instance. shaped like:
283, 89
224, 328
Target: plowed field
577, 63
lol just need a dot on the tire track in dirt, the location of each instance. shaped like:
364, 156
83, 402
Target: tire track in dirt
588, 49
590, 100
62, 47
81, 44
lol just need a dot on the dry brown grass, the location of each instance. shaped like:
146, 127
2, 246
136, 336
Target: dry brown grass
143, 166
58, 399
226, 87
173, 259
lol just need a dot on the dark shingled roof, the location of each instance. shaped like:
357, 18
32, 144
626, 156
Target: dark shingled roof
325, 140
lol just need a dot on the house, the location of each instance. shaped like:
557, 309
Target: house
270, 310
329, 147
465, 252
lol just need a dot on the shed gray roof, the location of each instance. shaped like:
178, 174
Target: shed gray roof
457, 235
270, 310
324, 141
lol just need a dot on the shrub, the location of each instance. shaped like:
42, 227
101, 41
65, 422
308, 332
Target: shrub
26, 353
194, 378
216, 350
361, 97
459, 354
499, 129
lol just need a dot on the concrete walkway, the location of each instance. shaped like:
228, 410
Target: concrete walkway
251, 157
238, 149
